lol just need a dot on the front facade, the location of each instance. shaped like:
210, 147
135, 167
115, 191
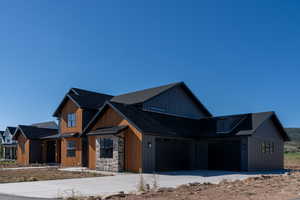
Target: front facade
9, 145
157, 129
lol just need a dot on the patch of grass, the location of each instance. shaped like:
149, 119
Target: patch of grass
292, 159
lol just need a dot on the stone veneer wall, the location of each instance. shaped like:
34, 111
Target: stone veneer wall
115, 164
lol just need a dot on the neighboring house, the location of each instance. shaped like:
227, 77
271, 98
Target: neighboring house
1, 145
159, 129
9, 145
36, 143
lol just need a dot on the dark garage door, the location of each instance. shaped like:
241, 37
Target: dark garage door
171, 155
224, 156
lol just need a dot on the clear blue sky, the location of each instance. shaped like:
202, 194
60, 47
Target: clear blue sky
237, 56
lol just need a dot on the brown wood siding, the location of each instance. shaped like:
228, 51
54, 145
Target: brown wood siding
23, 157
71, 107
133, 140
70, 161
92, 152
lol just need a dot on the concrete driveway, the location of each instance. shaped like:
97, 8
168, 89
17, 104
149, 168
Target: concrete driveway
114, 184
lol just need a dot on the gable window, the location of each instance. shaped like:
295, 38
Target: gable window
106, 148
71, 120
71, 148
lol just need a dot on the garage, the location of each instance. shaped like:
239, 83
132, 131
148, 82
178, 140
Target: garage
225, 155
172, 154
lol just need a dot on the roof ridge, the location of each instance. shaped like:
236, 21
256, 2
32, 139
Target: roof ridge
166, 85
88, 91
143, 95
234, 115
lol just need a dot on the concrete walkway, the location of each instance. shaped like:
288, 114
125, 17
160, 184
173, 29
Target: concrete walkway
127, 183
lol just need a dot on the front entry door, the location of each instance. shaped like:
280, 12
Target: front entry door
51, 151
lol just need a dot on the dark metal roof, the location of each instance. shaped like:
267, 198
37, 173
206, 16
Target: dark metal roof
83, 99
142, 95
108, 130
147, 94
32, 132
11, 129
50, 124
168, 125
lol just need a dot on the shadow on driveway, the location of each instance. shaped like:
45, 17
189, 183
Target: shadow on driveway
211, 173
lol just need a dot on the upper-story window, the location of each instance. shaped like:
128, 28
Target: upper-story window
71, 120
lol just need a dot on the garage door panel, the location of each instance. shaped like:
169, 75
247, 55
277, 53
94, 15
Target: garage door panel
171, 155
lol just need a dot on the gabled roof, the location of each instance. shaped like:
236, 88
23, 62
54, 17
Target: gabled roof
142, 96
11, 129
83, 99
166, 125
33, 132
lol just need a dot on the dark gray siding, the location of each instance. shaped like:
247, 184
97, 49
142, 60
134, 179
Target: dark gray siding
148, 154
176, 102
257, 159
35, 151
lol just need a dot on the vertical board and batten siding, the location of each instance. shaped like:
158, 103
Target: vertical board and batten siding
23, 157
148, 161
176, 102
71, 161
92, 152
132, 137
257, 160
71, 107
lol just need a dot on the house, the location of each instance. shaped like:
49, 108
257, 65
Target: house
168, 128
157, 129
35, 143
8, 144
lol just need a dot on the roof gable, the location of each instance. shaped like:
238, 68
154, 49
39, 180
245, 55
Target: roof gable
33, 132
146, 95
83, 99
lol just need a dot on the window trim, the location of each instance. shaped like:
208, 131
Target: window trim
71, 120
71, 151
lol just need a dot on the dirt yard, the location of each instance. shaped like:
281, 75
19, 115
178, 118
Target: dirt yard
10, 176
277, 187
13, 164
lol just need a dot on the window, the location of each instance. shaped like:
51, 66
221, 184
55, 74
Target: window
268, 147
71, 120
71, 148
106, 148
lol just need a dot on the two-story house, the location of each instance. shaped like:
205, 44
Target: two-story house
158, 129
